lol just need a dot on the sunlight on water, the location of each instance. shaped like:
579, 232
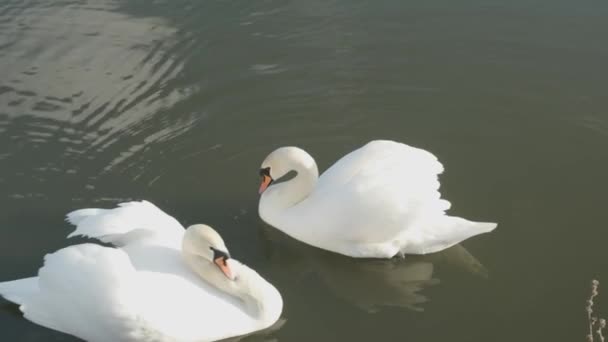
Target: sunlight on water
83, 76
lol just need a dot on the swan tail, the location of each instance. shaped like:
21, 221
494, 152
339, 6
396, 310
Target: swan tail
125, 224
443, 233
26, 294
18, 291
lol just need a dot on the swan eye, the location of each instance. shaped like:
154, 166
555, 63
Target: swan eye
217, 254
265, 172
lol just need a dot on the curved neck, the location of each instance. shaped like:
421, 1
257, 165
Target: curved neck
293, 191
261, 300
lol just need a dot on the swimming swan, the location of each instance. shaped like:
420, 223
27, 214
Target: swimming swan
378, 201
160, 283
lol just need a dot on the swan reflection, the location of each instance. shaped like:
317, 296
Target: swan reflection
371, 284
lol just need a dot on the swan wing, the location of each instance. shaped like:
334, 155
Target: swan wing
95, 293
373, 193
81, 291
385, 192
382, 159
128, 223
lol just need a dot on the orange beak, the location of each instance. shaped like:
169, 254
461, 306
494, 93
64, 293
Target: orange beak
223, 265
266, 180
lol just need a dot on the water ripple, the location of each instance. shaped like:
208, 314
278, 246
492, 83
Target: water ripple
88, 82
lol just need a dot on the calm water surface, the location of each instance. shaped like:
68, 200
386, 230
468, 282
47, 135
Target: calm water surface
179, 101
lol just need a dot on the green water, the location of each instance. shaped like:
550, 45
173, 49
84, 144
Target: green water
178, 102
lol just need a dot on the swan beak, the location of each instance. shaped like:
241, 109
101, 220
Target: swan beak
223, 265
266, 181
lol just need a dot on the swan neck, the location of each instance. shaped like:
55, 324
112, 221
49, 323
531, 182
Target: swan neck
295, 190
304, 182
260, 299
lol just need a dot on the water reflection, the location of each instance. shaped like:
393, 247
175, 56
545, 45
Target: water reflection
373, 284
370, 284
86, 89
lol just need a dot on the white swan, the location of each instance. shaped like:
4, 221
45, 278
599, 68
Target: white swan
378, 201
162, 283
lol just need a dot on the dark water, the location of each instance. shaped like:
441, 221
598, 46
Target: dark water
178, 102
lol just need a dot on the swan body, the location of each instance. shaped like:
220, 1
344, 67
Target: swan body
378, 201
160, 283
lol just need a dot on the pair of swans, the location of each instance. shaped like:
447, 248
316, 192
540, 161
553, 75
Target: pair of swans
166, 283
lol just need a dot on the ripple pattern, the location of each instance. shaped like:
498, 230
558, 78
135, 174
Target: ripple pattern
84, 86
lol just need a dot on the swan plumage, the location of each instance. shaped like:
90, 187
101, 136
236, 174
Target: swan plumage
378, 201
160, 283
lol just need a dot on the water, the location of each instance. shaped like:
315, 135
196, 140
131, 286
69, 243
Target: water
178, 102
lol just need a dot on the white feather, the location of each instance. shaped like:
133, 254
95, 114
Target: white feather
143, 291
131, 222
377, 201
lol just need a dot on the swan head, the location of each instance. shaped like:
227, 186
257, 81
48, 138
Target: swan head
281, 161
202, 241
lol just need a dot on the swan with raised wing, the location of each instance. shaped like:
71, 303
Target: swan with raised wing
160, 283
378, 201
